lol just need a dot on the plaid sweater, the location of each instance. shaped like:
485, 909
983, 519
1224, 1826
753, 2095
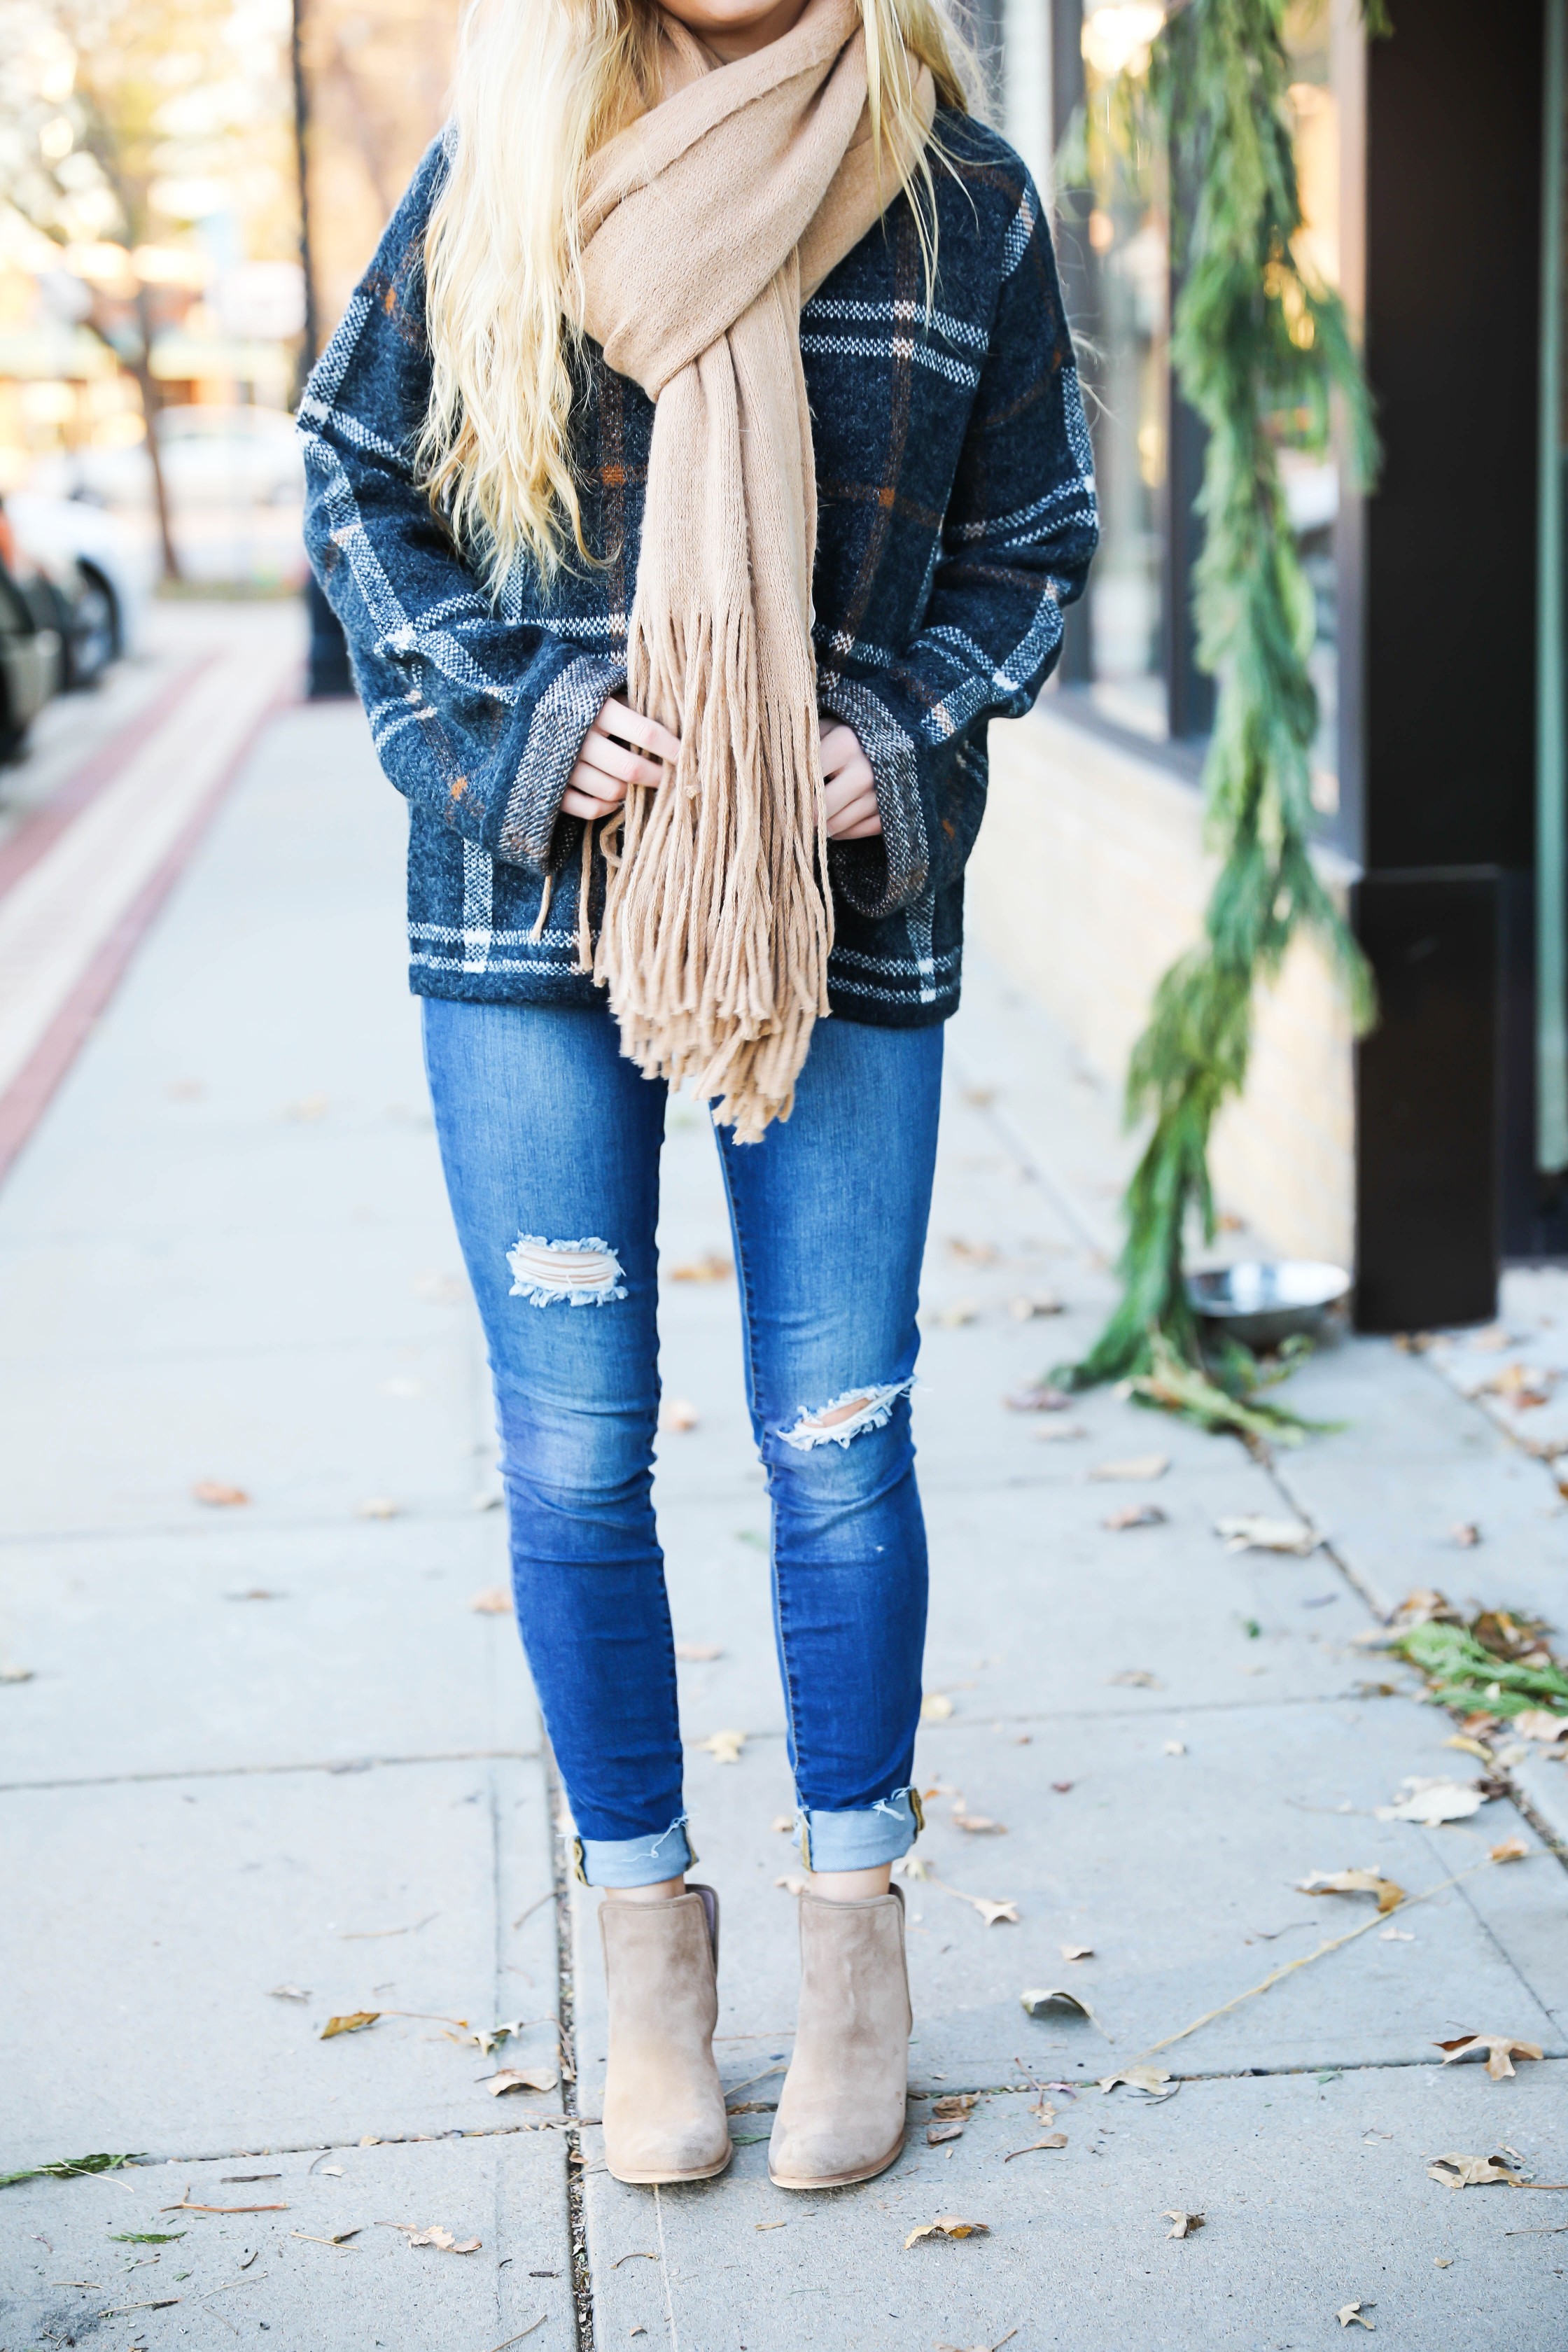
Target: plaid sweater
956, 518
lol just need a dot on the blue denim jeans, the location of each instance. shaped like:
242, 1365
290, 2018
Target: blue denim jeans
551, 1142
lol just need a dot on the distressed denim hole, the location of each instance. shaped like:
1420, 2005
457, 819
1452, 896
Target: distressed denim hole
564, 1274
847, 1416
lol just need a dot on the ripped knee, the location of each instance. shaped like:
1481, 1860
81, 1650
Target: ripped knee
848, 1417
565, 1274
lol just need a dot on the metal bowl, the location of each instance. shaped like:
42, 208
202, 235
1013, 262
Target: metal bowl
1261, 1303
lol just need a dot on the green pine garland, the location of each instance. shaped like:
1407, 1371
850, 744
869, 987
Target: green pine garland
1259, 349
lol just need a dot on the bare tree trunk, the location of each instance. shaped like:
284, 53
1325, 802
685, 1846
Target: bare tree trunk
151, 404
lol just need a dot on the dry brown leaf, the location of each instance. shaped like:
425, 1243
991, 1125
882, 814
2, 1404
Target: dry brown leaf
953, 2107
1039, 1302
724, 1746
1466, 1534
1139, 1466
495, 1600
1077, 1951
1175, 1747
1540, 1723
1512, 1849
793, 1885
1150, 2080
1039, 1396
1134, 1515
973, 1252
1351, 2315
1038, 1998
913, 1865
1396, 1936
218, 1495
947, 2225
1251, 1532
936, 2134
1132, 1678
1052, 2140
996, 1914
1472, 2171
378, 1506
977, 1825
1057, 1433
955, 1318
1501, 2050
15, 1674
699, 1653
677, 1413
935, 1708
1183, 2225
1468, 1747
783, 1822
443, 2240
1430, 1801
708, 1267
521, 2078
353, 2021
1354, 1882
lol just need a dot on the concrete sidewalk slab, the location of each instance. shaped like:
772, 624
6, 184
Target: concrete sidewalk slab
273, 2276
1315, 2196
148, 1655
163, 1914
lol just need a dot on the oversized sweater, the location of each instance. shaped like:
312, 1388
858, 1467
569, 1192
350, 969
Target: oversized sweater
956, 518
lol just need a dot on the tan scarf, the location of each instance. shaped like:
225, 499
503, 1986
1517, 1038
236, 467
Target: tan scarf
706, 224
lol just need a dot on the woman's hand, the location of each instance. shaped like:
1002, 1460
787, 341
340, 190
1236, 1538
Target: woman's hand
849, 789
608, 762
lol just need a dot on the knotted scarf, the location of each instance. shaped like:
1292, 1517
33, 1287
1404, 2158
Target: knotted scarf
706, 223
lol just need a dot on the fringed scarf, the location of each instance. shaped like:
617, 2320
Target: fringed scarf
706, 224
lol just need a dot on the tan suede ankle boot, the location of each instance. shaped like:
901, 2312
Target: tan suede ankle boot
841, 2113
664, 2111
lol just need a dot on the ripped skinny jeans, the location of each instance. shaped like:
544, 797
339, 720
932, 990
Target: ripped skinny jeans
550, 1143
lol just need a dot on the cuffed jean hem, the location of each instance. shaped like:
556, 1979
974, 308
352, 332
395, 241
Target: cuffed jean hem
859, 1840
635, 1861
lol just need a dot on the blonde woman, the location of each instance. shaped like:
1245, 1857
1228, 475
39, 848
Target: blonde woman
699, 468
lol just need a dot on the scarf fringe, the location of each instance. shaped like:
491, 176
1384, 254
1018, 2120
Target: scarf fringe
717, 923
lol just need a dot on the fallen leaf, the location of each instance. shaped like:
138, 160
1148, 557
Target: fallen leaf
1472, 2171
979, 2347
1077, 1951
338, 2237
1040, 1998
1062, 1788
442, 2239
793, 1885
996, 1914
521, 2078
495, 1600
218, 1495
1469, 1747
1183, 2225
354, 2022
955, 1318
289, 1993
708, 1267
1501, 2050
378, 1506
1354, 1882
1396, 1936
783, 1822
1150, 2080
1039, 1396
977, 1825
1056, 1432
973, 1252
1432, 1801
1352, 2313
1140, 1466
1512, 1849
947, 2225
699, 1653
937, 2133
679, 1413
935, 1708
1175, 1748
724, 1746
1466, 1534
1134, 1678
1052, 2140
913, 1865
15, 1674
1250, 1532
953, 2107
1135, 1515
1041, 1302
1540, 1723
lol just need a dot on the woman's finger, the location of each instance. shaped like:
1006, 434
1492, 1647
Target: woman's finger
576, 803
840, 746
857, 815
854, 783
611, 759
867, 831
619, 719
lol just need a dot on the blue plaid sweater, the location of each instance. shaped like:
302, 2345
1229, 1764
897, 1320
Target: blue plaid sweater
956, 518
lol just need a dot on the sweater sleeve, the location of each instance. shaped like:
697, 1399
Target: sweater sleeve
1014, 548
477, 715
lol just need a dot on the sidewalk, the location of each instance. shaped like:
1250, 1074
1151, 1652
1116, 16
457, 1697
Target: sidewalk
272, 1766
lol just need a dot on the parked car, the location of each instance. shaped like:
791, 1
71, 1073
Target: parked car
98, 570
214, 455
30, 661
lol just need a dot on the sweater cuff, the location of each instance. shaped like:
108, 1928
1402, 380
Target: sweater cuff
879, 875
561, 717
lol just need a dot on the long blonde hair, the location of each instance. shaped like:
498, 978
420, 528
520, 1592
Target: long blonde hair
540, 86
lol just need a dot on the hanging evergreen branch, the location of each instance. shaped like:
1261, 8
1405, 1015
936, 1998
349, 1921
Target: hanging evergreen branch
1260, 348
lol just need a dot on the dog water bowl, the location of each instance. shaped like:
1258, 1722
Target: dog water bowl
1261, 1303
